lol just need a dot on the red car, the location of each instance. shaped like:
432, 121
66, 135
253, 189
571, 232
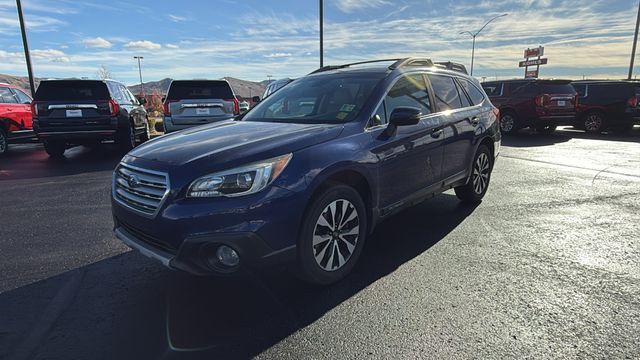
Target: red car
15, 116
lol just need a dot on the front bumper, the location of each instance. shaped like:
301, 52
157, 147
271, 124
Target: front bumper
186, 233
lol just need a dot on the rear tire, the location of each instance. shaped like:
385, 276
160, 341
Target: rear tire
329, 247
55, 149
476, 187
593, 122
126, 139
4, 142
546, 129
509, 123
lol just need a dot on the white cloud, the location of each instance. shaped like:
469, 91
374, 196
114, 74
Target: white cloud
349, 6
142, 45
50, 55
278, 55
176, 18
171, 46
97, 42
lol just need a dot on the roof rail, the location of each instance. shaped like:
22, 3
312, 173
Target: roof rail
411, 61
452, 66
335, 67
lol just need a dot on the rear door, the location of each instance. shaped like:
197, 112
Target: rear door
9, 109
459, 119
73, 104
200, 101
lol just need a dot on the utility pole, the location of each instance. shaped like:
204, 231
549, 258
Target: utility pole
140, 72
635, 42
321, 33
26, 48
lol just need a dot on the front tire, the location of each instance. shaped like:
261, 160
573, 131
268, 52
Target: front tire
332, 236
4, 142
476, 187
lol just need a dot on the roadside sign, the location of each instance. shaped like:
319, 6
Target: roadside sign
531, 74
533, 62
537, 52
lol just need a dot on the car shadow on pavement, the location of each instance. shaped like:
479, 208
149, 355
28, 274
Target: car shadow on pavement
127, 306
530, 138
31, 161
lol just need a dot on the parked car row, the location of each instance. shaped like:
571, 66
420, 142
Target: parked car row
594, 106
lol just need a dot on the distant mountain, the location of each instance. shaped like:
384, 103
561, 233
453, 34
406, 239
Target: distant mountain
243, 88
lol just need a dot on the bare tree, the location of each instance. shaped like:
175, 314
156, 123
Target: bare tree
103, 73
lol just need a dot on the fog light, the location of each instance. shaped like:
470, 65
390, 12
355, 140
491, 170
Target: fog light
227, 256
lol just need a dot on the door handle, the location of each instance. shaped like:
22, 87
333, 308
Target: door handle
475, 120
436, 133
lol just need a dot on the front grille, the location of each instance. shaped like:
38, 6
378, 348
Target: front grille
140, 189
144, 237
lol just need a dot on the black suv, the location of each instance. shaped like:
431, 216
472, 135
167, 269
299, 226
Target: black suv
307, 173
607, 105
67, 113
540, 104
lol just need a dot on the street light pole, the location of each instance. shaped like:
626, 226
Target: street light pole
635, 42
474, 35
321, 33
140, 72
26, 47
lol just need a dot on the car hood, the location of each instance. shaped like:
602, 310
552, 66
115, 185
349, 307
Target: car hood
234, 140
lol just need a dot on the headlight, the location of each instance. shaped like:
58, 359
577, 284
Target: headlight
240, 181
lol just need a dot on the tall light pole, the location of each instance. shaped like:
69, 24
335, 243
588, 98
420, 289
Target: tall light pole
635, 41
140, 72
474, 35
26, 47
321, 33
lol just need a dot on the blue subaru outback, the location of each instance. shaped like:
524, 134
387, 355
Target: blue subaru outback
304, 177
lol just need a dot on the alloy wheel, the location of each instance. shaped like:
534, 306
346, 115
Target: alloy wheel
481, 173
507, 123
593, 122
335, 235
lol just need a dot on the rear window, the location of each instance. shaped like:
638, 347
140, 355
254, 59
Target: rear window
557, 88
80, 90
200, 90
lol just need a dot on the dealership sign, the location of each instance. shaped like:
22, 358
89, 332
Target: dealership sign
533, 62
533, 58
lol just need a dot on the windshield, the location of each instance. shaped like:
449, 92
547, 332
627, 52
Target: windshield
335, 98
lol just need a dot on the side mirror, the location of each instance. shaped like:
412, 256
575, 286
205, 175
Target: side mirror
402, 116
142, 100
255, 99
163, 98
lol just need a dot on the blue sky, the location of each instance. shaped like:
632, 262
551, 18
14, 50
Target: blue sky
251, 39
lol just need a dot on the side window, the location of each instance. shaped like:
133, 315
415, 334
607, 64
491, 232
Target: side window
7, 97
581, 89
130, 96
493, 89
380, 117
463, 96
446, 93
116, 92
22, 97
408, 91
125, 94
477, 97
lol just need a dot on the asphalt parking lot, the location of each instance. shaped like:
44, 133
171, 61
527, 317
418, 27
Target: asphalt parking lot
547, 266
